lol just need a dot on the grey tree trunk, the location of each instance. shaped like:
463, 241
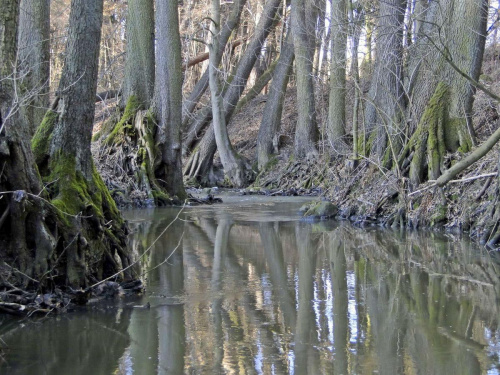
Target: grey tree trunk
306, 132
267, 143
386, 98
140, 60
189, 104
34, 59
200, 162
336, 109
168, 106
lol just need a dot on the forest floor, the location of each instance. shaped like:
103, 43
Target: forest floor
365, 193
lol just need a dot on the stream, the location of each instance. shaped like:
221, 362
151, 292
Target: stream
248, 287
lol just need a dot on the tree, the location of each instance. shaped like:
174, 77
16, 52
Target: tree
306, 132
34, 59
140, 61
168, 106
95, 231
336, 107
200, 161
267, 144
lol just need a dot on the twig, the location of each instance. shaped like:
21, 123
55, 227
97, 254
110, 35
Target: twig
167, 258
144, 253
434, 183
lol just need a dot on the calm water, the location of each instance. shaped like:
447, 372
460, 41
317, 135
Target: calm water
251, 289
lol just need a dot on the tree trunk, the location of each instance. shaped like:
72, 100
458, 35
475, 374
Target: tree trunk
62, 150
440, 42
336, 109
168, 87
190, 103
34, 59
306, 132
383, 115
140, 60
271, 118
200, 162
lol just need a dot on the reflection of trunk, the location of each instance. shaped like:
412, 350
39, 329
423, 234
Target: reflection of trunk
305, 333
340, 302
171, 326
277, 270
220, 250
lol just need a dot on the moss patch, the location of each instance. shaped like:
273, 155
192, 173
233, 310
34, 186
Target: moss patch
125, 123
41, 140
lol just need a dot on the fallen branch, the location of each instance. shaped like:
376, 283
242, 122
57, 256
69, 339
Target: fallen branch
467, 179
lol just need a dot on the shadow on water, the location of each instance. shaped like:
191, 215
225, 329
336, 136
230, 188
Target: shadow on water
252, 289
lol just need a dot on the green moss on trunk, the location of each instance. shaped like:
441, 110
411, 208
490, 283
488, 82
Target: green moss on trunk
41, 140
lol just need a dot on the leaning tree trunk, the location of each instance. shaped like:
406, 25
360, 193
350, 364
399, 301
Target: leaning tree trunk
140, 60
267, 143
433, 79
34, 59
306, 132
384, 110
200, 162
336, 108
199, 89
168, 88
97, 232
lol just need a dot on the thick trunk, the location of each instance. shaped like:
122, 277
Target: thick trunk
306, 132
34, 59
336, 108
168, 106
140, 61
96, 232
383, 115
267, 143
200, 161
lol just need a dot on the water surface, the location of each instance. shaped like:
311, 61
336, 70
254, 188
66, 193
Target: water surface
247, 287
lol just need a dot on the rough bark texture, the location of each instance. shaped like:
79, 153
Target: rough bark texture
306, 132
140, 61
383, 115
200, 162
168, 106
267, 143
94, 240
336, 108
34, 59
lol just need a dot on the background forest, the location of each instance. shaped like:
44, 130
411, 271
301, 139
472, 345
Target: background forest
384, 107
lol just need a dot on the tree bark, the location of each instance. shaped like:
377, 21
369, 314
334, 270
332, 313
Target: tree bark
34, 59
267, 143
336, 109
168, 106
306, 132
140, 60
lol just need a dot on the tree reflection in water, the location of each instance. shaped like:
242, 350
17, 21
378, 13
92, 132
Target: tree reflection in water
275, 297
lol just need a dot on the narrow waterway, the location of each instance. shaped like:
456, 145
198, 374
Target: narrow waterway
247, 287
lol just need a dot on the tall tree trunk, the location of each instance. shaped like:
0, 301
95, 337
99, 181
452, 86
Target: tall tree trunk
140, 60
62, 150
199, 89
440, 98
336, 108
384, 110
200, 162
232, 163
267, 143
306, 132
168, 87
34, 59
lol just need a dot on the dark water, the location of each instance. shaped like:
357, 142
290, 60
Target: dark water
251, 289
